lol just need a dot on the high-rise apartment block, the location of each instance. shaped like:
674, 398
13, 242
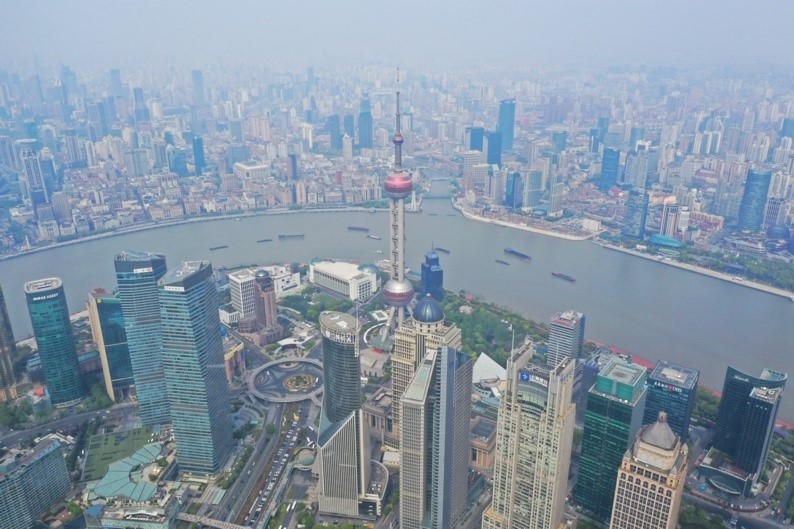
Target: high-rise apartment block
49, 315
7, 352
615, 406
242, 288
651, 479
566, 337
344, 464
426, 331
533, 445
30, 482
434, 441
107, 328
746, 417
671, 389
193, 365
137, 274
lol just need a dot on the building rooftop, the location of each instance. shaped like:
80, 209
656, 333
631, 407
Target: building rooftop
622, 372
682, 377
769, 395
125, 477
241, 275
340, 269
569, 318
659, 434
417, 389
42, 285
339, 321
486, 368
183, 271
137, 255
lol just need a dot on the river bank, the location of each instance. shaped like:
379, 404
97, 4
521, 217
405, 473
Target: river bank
167, 224
565, 236
703, 271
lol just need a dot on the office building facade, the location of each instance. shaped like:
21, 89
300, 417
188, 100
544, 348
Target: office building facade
137, 274
566, 337
365, 125
746, 417
8, 349
493, 152
651, 479
198, 396
265, 300
636, 214
242, 288
615, 407
751, 208
434, 441
432, 276
343, 439
107, 329
671, 389
514, 191
424, 332
610, 165
533, 445
49, 316
507, 123
356, 282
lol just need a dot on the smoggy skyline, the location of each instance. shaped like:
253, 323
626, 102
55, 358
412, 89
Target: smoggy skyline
94, 34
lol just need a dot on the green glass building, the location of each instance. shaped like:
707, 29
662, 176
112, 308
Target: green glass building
7, 347
194, 370
107, 328
615, 406
49, 316
137, 274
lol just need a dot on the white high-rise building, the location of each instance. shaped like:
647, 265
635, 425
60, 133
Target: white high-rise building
242, 287
534, 433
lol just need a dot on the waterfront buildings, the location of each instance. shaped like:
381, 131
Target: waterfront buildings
566, 337
671, 389
344, 464
432, 276
533, 445
137, 274
615, 406
49, 316
356, 282
651, 479
636, 214
107, 329
434, 441
30, 482
751, 208
7, 352
193, 366
746, 417
424, 332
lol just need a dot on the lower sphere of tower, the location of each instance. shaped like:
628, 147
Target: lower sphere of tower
398, 293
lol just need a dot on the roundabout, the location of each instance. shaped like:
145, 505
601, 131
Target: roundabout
287, 380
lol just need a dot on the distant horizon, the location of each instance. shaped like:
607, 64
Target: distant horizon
572, 33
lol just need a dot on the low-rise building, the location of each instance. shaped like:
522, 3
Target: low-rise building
348, 279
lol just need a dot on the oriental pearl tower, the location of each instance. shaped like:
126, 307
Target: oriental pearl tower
397, 292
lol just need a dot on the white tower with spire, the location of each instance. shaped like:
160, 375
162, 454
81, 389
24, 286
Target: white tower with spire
397, 292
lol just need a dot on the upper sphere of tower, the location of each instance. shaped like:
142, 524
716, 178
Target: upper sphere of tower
398, 138
399, 185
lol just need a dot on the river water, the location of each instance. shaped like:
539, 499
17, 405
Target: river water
641, 306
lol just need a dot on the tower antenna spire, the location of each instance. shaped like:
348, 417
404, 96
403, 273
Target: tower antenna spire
398, 137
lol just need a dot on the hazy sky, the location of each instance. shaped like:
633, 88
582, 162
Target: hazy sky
301, 32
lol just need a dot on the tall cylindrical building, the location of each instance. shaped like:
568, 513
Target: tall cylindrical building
341, 367
49, 316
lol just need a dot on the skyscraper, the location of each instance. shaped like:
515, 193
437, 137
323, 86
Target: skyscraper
365, 125
566, 337
636, 214
333, 126
533, 445
198, 154
49, 316
348, 124
398, 291
746, 417
610, 164
671, 389
475, 136
424, 332
343, 440
614, 415
751, 208
507, 123
493, 154
559, 140
669, 220
31, 182
434, 441
199, 97
116, 87
514, 191
139, 109
8, 349
242, 290
533, 189
107, 328
265, 300
432, 276
137, 274
198, 396
651, 479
